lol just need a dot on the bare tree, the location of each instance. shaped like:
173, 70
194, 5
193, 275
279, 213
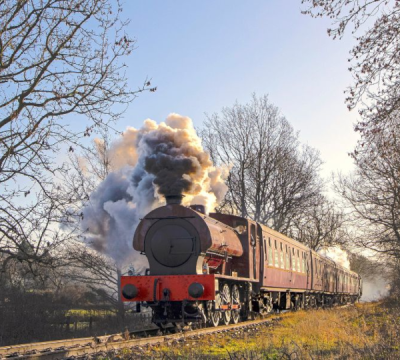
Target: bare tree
272, 177
320, 226
375, 60
372, 194
87, 169
97, 272
366, 267
57, 57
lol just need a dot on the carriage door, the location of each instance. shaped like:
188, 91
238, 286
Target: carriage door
291, 265
308, 270
254, 249
263, 254
263, 250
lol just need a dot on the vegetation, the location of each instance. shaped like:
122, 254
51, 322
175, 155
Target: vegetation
74, 312
371, 193
273, 178
363, 331
374, 60
57, 58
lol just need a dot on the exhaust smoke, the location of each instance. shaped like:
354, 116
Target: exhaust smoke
336, 254
149, 163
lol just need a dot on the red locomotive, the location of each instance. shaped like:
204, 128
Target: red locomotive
218, 267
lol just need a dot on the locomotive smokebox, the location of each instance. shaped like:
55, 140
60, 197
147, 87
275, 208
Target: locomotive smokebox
174, 199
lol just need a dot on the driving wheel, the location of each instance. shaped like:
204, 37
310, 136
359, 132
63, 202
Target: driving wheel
235, 301
226, 300
215, 314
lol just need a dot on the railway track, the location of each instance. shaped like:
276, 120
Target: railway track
75, 348
29, 350
90, 346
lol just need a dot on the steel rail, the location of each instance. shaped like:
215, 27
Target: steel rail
8, 351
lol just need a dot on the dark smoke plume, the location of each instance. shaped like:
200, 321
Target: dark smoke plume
155, 160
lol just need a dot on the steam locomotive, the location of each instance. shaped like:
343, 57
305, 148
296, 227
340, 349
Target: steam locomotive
220, 268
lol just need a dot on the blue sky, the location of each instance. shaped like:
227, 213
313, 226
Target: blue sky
204, 55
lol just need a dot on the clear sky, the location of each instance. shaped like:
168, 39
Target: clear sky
204, 55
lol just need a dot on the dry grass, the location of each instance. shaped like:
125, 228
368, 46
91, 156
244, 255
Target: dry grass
363, 331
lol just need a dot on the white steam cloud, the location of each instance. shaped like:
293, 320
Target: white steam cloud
336, 254
149, 162
374, 288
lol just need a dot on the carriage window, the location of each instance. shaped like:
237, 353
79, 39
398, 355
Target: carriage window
294, 260
298, 253
270, 258
269, 241
293, 267
275, 245
276, 256
316, 268
288, 260
265, 250
301, 262
282, 258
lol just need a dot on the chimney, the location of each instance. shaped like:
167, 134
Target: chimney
174, 199
199, 208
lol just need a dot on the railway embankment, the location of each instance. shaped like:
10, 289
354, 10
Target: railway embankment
362, 331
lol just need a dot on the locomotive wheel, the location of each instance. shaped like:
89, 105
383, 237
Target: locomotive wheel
215, 315
235, 301
214, 318
226, 300
162, 326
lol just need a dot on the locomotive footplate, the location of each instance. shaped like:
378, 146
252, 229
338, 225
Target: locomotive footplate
168, 288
